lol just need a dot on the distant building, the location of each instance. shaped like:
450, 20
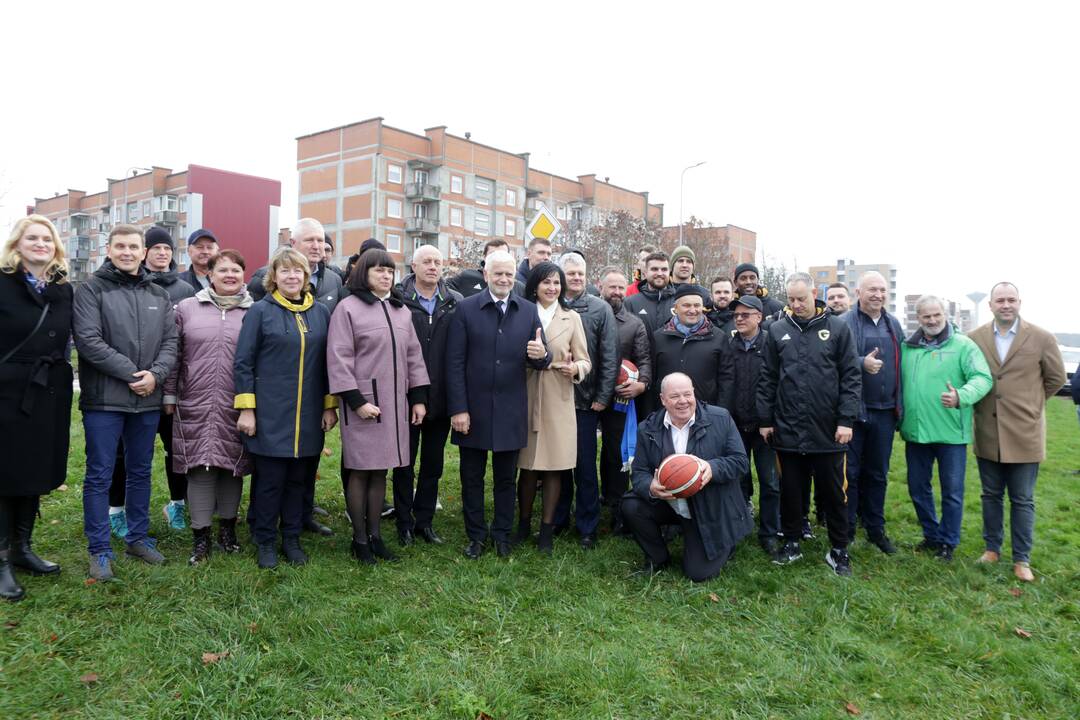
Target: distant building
242, 210
847, 272
962, 318
742, 243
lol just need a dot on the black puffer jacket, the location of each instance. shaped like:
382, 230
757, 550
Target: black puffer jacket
431, 330
178, 288
740, 395
811, 382
122, 323
699, 356
652, 307
602, 338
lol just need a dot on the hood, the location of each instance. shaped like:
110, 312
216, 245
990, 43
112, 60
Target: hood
163, 277
396, 298
762, 291
821, 311
645, 289
109, 272
918, 338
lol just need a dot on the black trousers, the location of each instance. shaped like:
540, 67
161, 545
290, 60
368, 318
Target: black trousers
279, 494
830, 480
764, 458
644, 519
613, 481
503, 472
177, 481
416, 510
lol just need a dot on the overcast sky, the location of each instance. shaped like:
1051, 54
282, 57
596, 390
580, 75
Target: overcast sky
943, 137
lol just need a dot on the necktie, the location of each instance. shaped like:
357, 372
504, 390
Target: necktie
502, 307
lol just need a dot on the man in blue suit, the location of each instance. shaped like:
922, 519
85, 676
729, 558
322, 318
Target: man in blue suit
493, 335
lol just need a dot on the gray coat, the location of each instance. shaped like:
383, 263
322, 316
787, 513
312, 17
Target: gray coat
122, 324
327, 290
173, 283
602, 338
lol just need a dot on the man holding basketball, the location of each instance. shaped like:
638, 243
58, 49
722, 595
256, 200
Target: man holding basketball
715, 518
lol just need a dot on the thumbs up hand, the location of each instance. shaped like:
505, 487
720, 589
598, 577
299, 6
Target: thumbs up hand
567, 366
535, 348
871, 363
950, 398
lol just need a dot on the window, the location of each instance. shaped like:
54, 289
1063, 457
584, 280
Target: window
393, 208
420, 177
146, 208
393, 242
482, 223
393, 173
133, 212
64, 225
511, 227
456, 184
560, 212
118, 213
183, 203
419, 210
483, 192
511, 197
455, 216
576, 215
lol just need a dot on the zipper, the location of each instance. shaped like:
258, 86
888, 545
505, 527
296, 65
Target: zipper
302, 328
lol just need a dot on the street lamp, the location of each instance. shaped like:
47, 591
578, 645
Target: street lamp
682, 178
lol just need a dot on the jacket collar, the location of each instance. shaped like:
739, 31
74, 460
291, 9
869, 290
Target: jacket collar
394, 298
302, 306
511, 299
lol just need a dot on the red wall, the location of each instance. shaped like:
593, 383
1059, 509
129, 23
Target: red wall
236, 208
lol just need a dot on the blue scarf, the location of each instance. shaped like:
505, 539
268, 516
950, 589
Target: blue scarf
688, 331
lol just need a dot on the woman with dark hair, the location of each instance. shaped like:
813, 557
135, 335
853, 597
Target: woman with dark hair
35, 389
376, 366
199, 396
552, 444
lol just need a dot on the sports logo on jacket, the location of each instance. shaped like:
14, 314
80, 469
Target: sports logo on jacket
823, 334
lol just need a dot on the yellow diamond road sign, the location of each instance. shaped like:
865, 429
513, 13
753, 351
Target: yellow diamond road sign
543, 225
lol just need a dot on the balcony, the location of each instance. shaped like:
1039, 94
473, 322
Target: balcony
167, 217
425, 225
422, 191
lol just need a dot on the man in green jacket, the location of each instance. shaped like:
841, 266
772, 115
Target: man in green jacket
944, 374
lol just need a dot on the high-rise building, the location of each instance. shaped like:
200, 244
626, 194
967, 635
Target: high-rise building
847, 272
369, 179
242, 211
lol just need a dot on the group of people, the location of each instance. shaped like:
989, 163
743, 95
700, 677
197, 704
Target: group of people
524, 366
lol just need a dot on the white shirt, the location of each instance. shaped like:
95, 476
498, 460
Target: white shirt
546, 314
679, 438
1004, 342
497, 300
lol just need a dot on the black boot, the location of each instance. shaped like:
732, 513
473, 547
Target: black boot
295, 554
24, 513
200, 546
9, 587
226, 536
362, 552
379, 549
545, 541
524, 531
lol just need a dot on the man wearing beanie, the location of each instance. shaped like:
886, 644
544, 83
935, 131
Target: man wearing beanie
747, 282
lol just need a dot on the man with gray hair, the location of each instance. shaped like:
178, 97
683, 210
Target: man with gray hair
591, 397
807, 402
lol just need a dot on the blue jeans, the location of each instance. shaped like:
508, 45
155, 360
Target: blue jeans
951, 461
103, 432
868, 471
584, 478
1019, 480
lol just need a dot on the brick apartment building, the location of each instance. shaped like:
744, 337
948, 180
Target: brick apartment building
242, 210
742, 243
847, 272
962, 318
369, 179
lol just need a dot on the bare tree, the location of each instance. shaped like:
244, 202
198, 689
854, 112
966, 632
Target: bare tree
614, 240
466, 252
774, 278
710, 245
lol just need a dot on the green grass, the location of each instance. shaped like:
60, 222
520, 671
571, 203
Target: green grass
578, 635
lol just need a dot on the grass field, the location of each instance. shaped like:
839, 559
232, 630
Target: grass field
579, 635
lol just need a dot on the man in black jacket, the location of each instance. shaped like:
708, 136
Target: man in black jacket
591, 397
125, 333
808, 399
652, 306
690, 344
201, 246
633, 345
715, 518
722, 290
748, 282
432, 305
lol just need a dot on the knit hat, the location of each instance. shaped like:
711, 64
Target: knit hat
371, 243
746, 267
681, 252
158, 235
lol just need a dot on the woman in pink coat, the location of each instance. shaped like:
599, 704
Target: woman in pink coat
375, 364
199, 395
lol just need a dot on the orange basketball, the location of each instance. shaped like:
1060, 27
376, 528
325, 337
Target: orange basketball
627, 372
680, 475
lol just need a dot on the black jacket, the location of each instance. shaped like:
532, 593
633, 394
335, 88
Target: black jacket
740, 395
122, 324
602, 339
652, 307
771, 307
634, 344
811, 382
723, 319
327, 291
191, 278
178, 288
470, 282
432, 330
719, 509
699, 356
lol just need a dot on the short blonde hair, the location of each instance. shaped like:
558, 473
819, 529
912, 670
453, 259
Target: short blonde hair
10, 260
286, 257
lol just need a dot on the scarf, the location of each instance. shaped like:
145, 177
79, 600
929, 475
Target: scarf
295, 307
227, 302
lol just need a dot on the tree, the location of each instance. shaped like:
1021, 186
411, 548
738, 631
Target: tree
710, 245
774, 278
614, 240
466, 252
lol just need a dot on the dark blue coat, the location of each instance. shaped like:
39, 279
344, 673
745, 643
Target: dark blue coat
485, 370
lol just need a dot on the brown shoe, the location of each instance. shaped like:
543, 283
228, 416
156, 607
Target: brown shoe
989, 557
1023, 572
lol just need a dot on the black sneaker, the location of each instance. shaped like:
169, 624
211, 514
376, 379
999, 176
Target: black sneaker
883, 543
807, 530
839, 561
928, 546
788, 554
295, 554
944, 553
770, 545
267, 556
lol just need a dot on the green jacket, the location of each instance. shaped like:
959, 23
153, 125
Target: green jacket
926, 371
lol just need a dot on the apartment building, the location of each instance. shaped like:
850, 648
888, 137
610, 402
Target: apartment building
369, 179
962, 318
742, 243
847, 272
242, 210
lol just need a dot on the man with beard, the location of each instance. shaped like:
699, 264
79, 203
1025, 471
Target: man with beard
652, 305
639, 269
837, 298
722, 291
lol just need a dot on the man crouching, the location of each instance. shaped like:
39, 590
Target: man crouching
715, 518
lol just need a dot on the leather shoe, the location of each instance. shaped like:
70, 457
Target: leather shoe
503, 549
430, 536
1023, 572
588, 542
474, 550
405, 538
650, 568
883, 543
988, 557
312, 525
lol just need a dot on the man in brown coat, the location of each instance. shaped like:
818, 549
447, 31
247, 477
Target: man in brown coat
1010, 425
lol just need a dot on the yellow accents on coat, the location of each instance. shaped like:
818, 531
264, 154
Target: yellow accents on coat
330, 402
288, 304
244, 401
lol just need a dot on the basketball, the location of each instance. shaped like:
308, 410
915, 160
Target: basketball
680, 475
628, 372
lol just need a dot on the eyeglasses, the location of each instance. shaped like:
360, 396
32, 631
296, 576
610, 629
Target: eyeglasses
743, 316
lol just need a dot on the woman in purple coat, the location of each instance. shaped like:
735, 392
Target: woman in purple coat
375, 364
199, 395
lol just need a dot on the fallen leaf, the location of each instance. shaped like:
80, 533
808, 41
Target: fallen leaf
63, 488
714, 597
176, 696
89, 678
252, 627
54, 522
484, 716
89, 581
53, 638
1016, 592
1021, 632
852, 709
209, 658
11, 624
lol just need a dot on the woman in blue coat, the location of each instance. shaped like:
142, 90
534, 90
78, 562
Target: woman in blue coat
283, 396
